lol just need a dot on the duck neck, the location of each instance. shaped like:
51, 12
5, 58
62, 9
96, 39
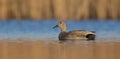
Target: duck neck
63, 29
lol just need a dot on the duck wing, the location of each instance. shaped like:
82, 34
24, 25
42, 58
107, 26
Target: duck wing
77, 35
80, 32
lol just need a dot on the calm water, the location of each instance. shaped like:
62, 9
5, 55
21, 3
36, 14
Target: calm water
105, 30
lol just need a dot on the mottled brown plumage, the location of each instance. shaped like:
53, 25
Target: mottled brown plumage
75, 34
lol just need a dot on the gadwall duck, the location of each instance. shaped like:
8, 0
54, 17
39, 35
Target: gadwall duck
75, 34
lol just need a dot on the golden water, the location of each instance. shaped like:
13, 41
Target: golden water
38, 49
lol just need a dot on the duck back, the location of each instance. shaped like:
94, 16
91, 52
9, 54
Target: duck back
75, 35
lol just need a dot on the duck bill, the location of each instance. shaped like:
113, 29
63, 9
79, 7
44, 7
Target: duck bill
55, 26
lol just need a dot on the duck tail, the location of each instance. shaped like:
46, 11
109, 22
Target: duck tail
91, 37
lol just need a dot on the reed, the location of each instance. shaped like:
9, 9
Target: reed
59, 9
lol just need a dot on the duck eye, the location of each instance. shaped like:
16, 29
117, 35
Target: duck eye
60, 22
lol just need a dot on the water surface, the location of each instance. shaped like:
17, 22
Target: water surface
105, 30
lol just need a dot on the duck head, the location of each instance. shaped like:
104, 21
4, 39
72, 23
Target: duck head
61, 25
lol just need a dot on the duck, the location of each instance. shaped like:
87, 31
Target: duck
74, 35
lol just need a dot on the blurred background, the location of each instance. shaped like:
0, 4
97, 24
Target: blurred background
62, 9
18, 17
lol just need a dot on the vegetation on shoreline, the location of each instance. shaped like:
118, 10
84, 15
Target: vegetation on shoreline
62, 9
